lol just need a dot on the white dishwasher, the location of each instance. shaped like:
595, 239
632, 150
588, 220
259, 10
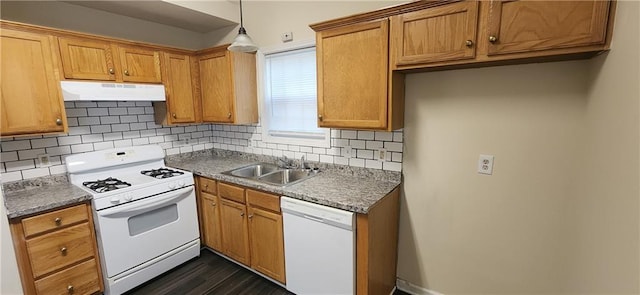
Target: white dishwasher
319, 247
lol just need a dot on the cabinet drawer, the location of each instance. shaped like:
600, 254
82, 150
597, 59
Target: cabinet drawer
231, 192
80, 279
60, 248
263, 200
56, 219
207, 185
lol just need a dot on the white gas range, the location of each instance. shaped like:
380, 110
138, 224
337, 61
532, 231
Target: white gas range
145, 213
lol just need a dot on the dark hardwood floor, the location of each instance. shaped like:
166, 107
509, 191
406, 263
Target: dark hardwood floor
208, 274
211, 274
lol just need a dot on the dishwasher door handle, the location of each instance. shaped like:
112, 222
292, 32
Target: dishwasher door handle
313, 218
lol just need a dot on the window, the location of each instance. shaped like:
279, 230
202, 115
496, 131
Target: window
290, 105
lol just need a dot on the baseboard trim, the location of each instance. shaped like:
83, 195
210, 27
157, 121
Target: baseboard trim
410, 288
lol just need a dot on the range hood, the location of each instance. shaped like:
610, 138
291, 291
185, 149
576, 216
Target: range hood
106, 91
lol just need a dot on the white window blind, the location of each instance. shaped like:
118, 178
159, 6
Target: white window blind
290, 96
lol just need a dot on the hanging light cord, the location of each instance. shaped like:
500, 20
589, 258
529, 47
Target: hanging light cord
241, 25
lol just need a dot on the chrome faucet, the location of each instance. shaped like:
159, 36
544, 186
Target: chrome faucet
303, 165
285, 162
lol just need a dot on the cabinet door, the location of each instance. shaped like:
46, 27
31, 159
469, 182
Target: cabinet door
139, 65
87, 59
525, 26
30, 88
436, 34
353, 75
177, 79
235, 235
211, 221
216, 87
267, 244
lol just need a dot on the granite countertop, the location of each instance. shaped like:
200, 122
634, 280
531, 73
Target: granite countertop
343, 187
28, 197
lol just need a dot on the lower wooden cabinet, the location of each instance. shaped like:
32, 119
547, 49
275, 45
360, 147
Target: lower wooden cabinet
243, 224
57, 252
210, 221
235, 234
266, 234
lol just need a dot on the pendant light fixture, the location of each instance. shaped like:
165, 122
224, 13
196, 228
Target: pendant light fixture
242, 42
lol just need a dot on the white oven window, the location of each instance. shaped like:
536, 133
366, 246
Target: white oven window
152, 219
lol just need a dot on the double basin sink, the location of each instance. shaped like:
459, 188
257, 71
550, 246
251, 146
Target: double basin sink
272, 174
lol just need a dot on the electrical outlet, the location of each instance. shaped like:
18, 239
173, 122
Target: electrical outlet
347, 152
287, 36
485, 164
383, 155
44, 160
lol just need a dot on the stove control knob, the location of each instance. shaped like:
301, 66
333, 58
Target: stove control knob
128, 197
181, 183
172, 185
115, 200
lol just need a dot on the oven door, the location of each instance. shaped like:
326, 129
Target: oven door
136, 232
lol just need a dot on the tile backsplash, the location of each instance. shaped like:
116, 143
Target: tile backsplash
102, 125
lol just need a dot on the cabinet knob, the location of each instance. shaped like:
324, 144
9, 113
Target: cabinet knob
111, 71
242, 214
206, 186
229, 115
126, 72
250, 216
493, 39
468, 43
320, 117
213, 204
58, 121
173, 115
58, 221
70, 289
63, 251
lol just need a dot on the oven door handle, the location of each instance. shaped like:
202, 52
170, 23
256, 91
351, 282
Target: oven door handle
147, 204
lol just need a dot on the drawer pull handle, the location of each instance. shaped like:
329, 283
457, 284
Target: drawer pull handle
70, 289
63, 251
58, 221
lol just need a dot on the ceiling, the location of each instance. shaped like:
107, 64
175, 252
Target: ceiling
161, 12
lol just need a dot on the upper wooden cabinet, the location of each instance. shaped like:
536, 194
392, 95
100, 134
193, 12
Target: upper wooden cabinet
532, 26
480, 33
354, 77
89, 59
139, 65
438, 34
30, 89
228, 86
179, 74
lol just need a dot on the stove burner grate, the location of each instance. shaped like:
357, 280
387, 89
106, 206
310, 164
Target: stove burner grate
106, 185
161, 173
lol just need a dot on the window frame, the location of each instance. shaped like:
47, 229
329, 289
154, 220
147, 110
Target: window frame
262, 102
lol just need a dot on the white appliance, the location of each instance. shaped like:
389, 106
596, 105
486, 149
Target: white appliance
319, 246
108, 91
145, 213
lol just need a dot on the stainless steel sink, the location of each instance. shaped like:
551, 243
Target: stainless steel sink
272, 174
288, 176
254, 170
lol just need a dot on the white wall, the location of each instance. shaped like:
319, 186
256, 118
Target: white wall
560, 213
9, 278
265, 21
67, 16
